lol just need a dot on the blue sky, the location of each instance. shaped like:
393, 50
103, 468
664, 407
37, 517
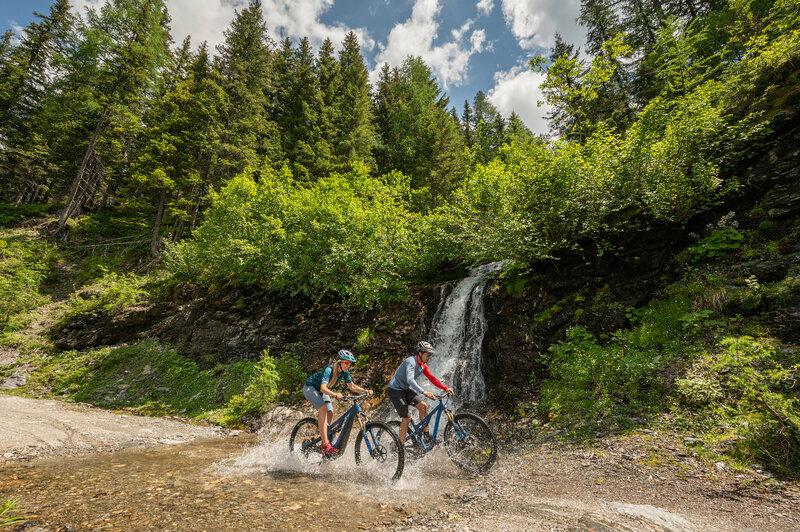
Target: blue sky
470, 45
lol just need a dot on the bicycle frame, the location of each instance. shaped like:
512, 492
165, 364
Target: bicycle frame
415, 429
343, 425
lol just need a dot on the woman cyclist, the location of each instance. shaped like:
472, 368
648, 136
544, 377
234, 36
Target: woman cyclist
318, 390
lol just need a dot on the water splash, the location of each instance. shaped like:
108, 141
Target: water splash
457, 334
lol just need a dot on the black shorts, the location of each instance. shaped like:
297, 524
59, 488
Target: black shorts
401, 399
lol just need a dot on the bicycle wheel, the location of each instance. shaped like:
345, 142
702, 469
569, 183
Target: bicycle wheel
470, 443
386, 455
305, 442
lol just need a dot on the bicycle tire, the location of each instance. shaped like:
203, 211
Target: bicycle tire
387, 453
303, 433
476, 450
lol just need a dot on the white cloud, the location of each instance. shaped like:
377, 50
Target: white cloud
207, 20
534, 23
517, 90
300, 18
415, 36
485, 6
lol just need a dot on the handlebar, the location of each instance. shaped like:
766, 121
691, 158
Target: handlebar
355, 397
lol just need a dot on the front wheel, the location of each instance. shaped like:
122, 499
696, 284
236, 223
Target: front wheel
379, 448
470, 443
305, 442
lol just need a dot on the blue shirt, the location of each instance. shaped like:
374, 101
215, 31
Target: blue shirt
406, 376
324, 375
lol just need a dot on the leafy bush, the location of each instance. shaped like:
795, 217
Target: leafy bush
718, 243
260, 392
291, 376
24, 265
110, 295
589, 381
746, 385
351, 235
11, 215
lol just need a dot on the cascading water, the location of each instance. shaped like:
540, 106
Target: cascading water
457, 335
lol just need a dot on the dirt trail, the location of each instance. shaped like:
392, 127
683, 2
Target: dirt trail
33, 428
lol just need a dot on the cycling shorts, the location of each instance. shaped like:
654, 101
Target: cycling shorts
317, 398
402, 399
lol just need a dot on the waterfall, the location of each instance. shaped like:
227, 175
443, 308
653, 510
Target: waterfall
457, 335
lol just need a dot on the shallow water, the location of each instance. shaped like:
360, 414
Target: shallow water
243, 483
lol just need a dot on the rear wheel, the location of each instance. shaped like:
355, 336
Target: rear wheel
470, 443
305, 442
378, 448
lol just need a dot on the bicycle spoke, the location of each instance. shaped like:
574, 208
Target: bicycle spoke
470, 443
378, 449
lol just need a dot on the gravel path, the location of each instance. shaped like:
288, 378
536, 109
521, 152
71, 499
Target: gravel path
619, 484
33, 428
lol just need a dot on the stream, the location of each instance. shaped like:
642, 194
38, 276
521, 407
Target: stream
235, 483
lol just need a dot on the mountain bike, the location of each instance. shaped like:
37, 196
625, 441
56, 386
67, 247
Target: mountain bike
376, 444
467, 438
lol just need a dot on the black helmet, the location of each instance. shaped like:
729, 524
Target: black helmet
425, 347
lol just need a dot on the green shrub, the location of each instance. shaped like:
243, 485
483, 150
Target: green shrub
24, 265
291, 376
260, 392
11, 215
350, 235
745, 385
112, 294
720, 242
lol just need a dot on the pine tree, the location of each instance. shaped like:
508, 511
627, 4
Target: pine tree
25, 69
329, 84
354, 116
421, 138
245, 64
112, 66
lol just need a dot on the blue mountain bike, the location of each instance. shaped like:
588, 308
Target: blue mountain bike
377, 445
467, 438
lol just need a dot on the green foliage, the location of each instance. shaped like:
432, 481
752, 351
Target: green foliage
291, 376
363, 339
593, 381
155, 379
24, 264
8, 513
746, 384
720, 242
261, 390
349, 235
11, 215
112, 294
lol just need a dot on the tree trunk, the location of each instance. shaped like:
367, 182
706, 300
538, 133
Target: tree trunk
155, 242
77, 191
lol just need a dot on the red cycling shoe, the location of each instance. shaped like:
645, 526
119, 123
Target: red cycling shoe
329, 449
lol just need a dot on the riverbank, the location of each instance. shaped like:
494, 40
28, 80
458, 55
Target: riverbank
646, 480
34, 428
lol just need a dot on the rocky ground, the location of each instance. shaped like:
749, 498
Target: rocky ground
32, 428
644, 481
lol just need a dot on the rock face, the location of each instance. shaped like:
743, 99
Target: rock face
524, 315
235, 325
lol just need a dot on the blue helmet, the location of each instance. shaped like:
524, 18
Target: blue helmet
344, 354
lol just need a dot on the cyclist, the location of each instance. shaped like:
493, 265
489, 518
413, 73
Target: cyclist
404, 391
318, 391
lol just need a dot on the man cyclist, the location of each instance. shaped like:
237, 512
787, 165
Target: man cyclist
404, 391
318, 391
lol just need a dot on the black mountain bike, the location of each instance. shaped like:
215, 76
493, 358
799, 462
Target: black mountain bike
467, 438
377, 445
